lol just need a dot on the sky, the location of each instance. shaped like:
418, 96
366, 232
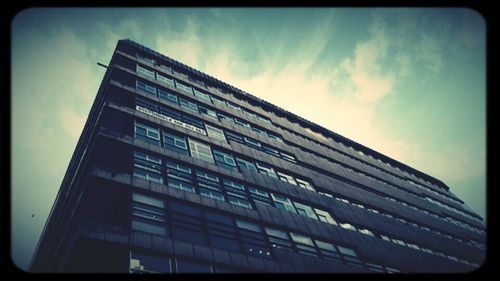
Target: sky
409, 83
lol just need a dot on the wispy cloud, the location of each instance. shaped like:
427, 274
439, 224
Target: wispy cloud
429, 50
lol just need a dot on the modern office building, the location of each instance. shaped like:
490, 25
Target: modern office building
176, 171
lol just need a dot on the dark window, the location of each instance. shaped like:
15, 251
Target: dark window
147, 167
245, 164
221, 232
140, 263
225, 160
142, 102
188, 105
187, 223
191, 267
146, 133
175, 142
168, 96
253, 239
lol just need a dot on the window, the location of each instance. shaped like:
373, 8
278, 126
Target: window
328, 250
184, 88
221, 232
193, 121
175, 142
244, 164
347, 226
165, 80
270, 150
234, 137
253, 238
211, 193
200, 151
264, 119
187, 223
266, 170
142, 102
252, 142
166, 95
145, 88
304, 244
140, 263
249, 113
225, 117
305, 184
145, 72
366, 232
148, 214
260, 196
225, 160
147, 167
146, 133
188, 105
218, 100
241, 123
202, 95
275, 137
279, 239
233, 106
288, 157
286, 178
324, 216
215, 133
206, 177
179, 177
305, 210
208, 112
259, 131
183, 266
238, 200
283, 203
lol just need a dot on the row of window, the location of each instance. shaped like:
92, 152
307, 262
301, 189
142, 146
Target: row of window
141, 263
203, 152
206, 97
181, 177
146, 106
375, 233
472, 228
439, 194
187, 146
188, 223
213, 114
212, 186
467, 226
252, 142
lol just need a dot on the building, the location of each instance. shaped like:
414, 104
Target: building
176, 171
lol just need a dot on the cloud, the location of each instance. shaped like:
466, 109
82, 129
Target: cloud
367, 82
429, 51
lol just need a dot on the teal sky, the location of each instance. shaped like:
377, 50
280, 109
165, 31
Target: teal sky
409, 83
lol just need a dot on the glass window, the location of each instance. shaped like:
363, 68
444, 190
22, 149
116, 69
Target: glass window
215, 133
184, 88
288, 157
140, 263
233, 106
270, 150
146, 133
181, 184
208, 112
298, 238
238, 201
206, 176
234, 137
259, 131
165, 95
136, 197
200, 151
179, 177
225, 160
275, 137
178, 167
175, 142
191, 267
242, 123
283, 203
142, 102
347, 251
324, 216
225, 117
148, 226
265, 119
305, 210
147, 167
347, 226
233, 185
165, 80
193, 121
249, 113
210, 193
143, 87
244, 164
278, 238
366, 232
248, 226
267, 170
286, 178
148, 208
218, 100
202, 95
188, 105
145, 72
305, 184
252, 142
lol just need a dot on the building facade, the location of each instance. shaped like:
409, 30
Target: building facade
176, 171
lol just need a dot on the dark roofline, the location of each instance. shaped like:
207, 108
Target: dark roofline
288, 114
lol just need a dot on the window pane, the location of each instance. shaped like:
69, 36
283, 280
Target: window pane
148, 200
150, 227
298, 238
200, 151
191, 267
140, 263
248, 226
347, 251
